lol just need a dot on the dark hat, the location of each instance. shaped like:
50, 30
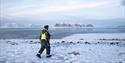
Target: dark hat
46, 26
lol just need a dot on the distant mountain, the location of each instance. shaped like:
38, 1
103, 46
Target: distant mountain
17, 25
11, 23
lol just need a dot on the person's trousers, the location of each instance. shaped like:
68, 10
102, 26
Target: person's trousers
45, 45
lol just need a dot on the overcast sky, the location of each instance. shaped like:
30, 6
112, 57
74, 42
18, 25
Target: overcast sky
61, 9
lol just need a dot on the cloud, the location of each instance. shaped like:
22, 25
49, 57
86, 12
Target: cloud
40, 10
44, 10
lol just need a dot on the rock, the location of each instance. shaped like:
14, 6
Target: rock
74, 53
116, 39
111, 43
81, 39
78, 42
102, 39
71, 62
71, 42
36, 42
14, 43
117, 42
63, 42
112, 39
89, 49
58, 42
31, 41
120, 62
98, 42
121, 53
114, 43
87, 42
8, 41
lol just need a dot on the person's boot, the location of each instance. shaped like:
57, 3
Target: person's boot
48, 56
38, 55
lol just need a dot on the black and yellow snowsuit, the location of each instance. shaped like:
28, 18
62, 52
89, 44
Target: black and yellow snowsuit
45, 44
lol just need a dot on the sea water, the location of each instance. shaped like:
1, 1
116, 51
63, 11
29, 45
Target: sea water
56, 33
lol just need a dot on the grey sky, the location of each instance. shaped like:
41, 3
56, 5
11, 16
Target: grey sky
54, 10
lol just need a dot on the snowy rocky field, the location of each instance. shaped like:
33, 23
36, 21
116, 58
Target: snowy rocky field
77, 48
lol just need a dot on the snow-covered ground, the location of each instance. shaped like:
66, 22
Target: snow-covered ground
77, 48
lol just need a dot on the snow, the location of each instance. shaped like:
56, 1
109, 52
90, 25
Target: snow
77, 48
94, 37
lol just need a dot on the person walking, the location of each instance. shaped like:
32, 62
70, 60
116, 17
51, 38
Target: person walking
45, 42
